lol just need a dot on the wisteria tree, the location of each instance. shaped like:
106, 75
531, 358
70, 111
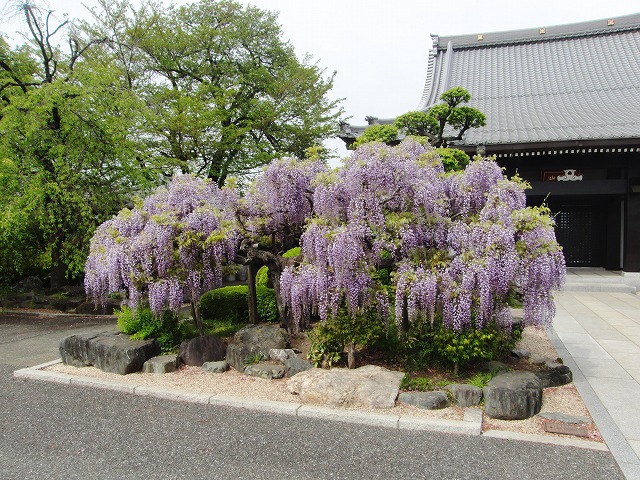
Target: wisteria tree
456, 244
169, 247
271, 218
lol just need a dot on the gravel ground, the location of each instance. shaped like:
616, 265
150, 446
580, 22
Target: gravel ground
565, 399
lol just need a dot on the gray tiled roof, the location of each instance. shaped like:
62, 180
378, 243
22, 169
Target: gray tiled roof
572, 82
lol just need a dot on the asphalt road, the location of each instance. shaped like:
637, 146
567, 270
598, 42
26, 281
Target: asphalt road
50, 431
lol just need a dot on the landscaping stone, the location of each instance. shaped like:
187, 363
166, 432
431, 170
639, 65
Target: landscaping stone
29, 284
425, 400
161, 364
520, 352
215, 367
465, 395
109, 351
369, 386
255, 339
281, 354
495, 366
537, 359
565, 418
295, 365
513, 396
555, 375
265, 370
198, 350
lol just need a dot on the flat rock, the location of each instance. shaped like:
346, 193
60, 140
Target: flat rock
537, 359
369, 386
295, 365
555, 375
215, 367
465, 395
513, 396
265, 370
198, 350
565, 418
110, 352
161, 364
425, 400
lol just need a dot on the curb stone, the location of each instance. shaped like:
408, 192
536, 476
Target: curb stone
470, 425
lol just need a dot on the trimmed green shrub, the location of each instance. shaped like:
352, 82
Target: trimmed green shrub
226, 303
230, 304
267, 306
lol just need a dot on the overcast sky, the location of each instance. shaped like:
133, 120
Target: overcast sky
379, 48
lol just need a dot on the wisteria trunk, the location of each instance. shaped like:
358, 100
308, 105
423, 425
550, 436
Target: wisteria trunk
197, 318
351, 356
285, 322
252, 297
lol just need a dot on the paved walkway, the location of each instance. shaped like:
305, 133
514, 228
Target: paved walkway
598, 336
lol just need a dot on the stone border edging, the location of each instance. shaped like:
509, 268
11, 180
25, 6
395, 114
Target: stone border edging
470, 425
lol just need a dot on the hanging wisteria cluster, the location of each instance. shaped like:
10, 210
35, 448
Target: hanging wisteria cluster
168, 248
457, 244
278, 203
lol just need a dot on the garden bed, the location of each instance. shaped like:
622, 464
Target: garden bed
564, 399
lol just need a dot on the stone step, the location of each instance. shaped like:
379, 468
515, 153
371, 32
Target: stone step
598, 287
594, 279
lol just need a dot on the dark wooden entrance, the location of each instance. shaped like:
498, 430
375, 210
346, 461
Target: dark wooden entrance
581, 230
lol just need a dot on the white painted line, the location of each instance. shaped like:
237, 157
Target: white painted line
567, 442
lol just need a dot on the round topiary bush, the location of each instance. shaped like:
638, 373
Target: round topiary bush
230, 304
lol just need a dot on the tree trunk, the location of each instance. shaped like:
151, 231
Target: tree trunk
252, 296
404, 324
197, 318
285, 322
351, 356
58, 267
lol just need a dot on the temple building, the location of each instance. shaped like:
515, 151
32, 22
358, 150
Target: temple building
563, 111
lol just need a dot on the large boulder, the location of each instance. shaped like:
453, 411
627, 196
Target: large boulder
109, 351
513, 396
255, 339
199, 350
369, 386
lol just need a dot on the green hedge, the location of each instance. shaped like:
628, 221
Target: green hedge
230, 304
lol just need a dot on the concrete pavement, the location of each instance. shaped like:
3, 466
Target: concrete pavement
597, 334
